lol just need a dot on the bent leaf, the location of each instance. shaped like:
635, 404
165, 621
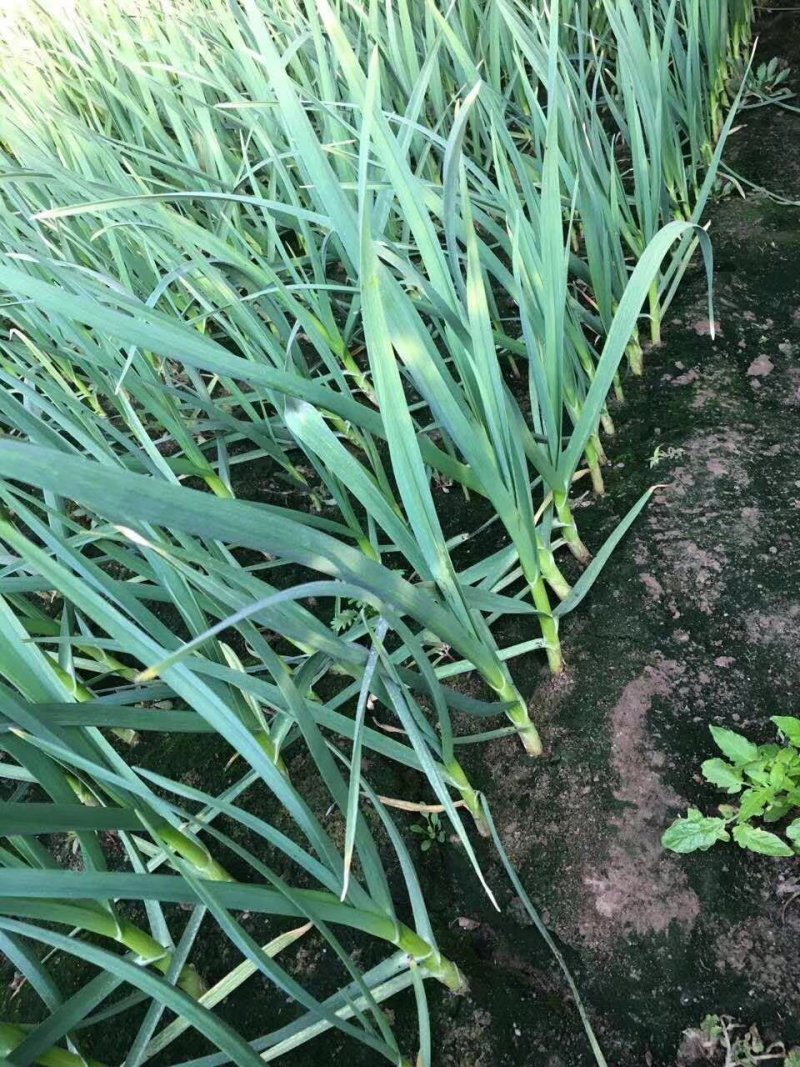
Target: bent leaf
720, 773
734, 746
694, 833
755, 839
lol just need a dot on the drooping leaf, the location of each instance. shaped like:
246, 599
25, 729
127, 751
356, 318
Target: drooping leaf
694, 832
754, 839
737, 748
720, 773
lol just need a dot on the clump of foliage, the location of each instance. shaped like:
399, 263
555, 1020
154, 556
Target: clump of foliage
765, 82
720, 1040
766, 780
430, 830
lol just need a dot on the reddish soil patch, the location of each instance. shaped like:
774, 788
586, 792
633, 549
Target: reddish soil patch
779, 626
760, 367
761, 939
639, 888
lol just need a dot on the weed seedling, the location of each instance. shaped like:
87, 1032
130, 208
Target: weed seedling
431, 830
719, 1035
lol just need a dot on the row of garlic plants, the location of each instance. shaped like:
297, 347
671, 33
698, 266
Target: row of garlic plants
355, 253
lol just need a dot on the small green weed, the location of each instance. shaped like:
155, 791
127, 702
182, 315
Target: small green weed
431, 830
660, 454
767, 781
765, 83
720, 1035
